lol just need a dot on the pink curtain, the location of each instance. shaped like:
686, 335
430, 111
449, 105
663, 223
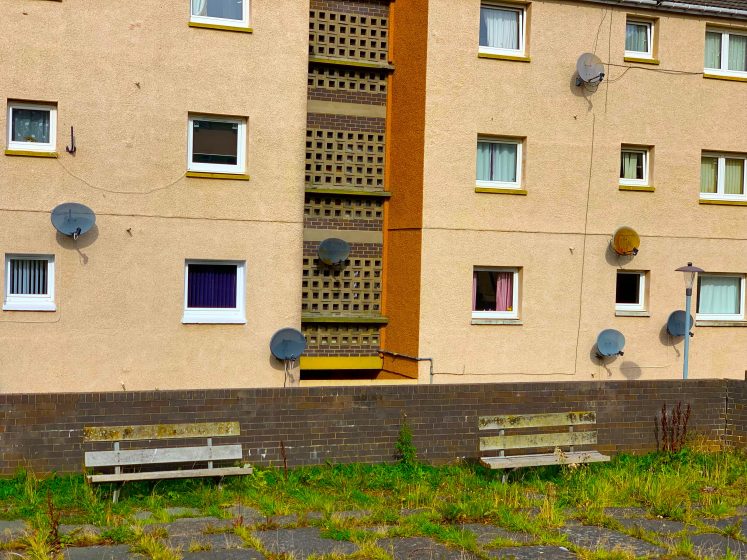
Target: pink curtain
504, 291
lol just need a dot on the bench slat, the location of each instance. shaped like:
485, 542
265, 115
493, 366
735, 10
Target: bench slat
503, 422
160, 431
543, 459
537, 440
124, 477
163, 455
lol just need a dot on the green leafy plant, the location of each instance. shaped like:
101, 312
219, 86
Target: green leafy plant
405, 449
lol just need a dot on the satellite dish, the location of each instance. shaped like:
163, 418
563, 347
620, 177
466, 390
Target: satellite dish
590, 69
676, 323
626, 241
333, 251
73, 219
610, 343
287, 344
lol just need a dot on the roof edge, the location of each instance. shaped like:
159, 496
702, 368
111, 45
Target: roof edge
682, 7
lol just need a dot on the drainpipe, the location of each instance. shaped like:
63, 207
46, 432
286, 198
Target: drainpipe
417, 359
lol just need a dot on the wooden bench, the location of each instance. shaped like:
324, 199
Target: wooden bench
207, 454
538, 441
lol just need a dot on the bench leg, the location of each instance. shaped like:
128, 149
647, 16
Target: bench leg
504, 478
115, 497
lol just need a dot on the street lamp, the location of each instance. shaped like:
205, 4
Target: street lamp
690, 272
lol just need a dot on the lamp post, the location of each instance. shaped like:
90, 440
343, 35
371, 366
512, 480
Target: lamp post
690, 272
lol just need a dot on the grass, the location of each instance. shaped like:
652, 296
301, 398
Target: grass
679, 486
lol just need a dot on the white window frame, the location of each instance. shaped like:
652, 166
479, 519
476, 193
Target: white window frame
649, 38
240, 166
514, 313
721, 177
243, 22
210, 315
30, 302
724, 70
522, 11
33, 146
718, 316
519, 164
641, 305
636, 182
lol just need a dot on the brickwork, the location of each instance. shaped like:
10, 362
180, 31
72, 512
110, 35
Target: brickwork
736, 430
343, 424
323, 339
343, 213
345, 122
362, 7
347, 85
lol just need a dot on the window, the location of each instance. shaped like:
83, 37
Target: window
217, 145
722, 177
726, 52
502, 30
32, 127
234, 13
495, 293
630, 292
29, 283
214, 292
639, 39
499, 163
634, 166
720, 297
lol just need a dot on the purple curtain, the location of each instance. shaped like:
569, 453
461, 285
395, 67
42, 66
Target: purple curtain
211, 286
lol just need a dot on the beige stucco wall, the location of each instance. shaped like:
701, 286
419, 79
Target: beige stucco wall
126, 75
544, 232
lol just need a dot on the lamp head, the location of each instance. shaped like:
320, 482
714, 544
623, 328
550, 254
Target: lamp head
690, 271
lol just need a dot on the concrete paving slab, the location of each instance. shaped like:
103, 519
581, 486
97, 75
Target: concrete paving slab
302, 543
12, 530
531, 553
598, 538
250, 516
218, 541
119, 552
351, 514
78, 530
665, 527
283, 520
623, 512
418, 548
711, 545
486, 534
234, 554
740, 521
189, 526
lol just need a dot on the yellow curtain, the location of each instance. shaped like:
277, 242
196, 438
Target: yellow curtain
708, 174
734, 177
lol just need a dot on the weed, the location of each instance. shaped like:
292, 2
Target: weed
118, 533
404, 447
197, 546
154, 548
38, 547
673, 432
617, 554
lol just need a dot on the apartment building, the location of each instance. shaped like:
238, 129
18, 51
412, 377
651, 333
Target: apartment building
469, 185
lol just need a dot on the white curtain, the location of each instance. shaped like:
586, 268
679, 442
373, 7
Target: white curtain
28, 277
708, 174
636, 37
719, 295
631, 166
713, 50
734, 176
499, 28
30, 126
738, 52
496, 162
199, 7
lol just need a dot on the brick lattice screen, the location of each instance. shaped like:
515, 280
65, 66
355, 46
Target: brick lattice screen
44, 432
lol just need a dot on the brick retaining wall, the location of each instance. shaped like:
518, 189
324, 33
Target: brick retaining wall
343, 424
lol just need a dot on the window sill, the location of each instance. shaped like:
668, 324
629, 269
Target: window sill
221, 27
636, 188
641, 60
31, 153
510, 57
500, 191
723, 202
621, 313
212, 320
723, 77
497, 321
707, 323
29, 306
206, 175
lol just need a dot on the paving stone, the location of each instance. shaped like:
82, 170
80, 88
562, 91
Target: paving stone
623, 512
283, 520
190, 526
250, 515
119, 552
418, 548
351, 514
660, 526
722, 524
710, 545
234, 554
531, 553
310, 516
487, 533
217, 541
12, 530
182, 512
78, 530
598, 538
142, 515
302, 543
407, 512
